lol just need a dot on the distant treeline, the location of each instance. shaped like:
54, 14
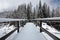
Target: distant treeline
40, 11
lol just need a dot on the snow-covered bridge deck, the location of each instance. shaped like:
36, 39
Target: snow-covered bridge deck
29, 32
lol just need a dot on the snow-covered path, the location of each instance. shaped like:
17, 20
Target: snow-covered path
29, 32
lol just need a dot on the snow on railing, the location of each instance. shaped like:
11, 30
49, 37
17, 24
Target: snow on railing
3, 20
57, 19
9, 19
38, 19
48, 19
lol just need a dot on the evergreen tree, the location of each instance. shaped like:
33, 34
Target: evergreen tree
40, 14
20, 12
48, 11
53, 13
44, 9
34, 14
29, 11
57, 10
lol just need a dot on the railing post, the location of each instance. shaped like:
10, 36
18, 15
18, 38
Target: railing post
17, 26
40, 26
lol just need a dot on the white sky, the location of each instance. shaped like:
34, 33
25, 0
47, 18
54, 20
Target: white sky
12, 4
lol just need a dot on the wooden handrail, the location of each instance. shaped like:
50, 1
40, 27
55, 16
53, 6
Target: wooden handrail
57, 19
7, 35
50, 34
42, 29
2, 20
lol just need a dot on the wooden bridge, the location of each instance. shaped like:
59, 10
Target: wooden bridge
29, 32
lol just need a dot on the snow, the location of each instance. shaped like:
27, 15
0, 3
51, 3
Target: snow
51, 30
28, 32
47, 36
14, 35
38, 28
53, 18
10, 19
6, 29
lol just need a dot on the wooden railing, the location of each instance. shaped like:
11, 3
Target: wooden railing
7, 35
38, 19
3, 20
50, 34
42, 29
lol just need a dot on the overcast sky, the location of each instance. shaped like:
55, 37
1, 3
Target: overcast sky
12, 4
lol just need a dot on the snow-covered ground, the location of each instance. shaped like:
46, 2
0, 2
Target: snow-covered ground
47, 36
6, 29
51, 30
28, 32
14, 35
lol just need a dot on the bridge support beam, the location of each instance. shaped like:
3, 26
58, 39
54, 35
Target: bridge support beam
40, 26
17, 26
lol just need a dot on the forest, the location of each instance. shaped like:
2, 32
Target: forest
40, 11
